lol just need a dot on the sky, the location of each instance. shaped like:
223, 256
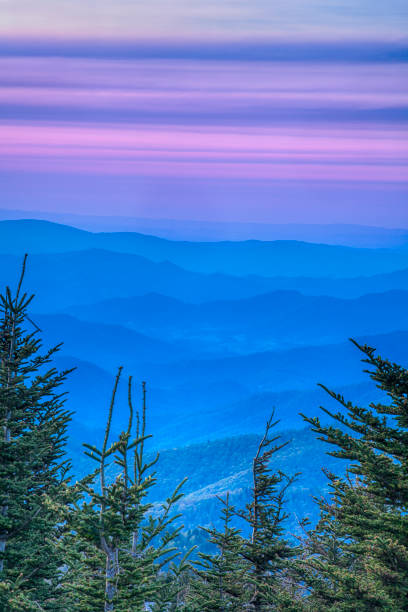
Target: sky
283, 112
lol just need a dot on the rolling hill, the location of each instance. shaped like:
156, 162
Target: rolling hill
205, 399
296, 368
277, 258
64, 280
360, 236
84, 277
106, 345
216, 467
264, 322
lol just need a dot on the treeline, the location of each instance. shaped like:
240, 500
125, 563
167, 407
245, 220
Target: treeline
98, 544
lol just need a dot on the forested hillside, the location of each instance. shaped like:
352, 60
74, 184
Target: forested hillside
220, 353
203, 306
253, 522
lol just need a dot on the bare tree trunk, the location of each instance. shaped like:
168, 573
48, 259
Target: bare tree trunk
112, 561
3, 543
111, 573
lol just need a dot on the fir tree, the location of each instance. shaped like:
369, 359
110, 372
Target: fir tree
359, 551
250, 571
118, 542
222, 577
32, 464
267, 548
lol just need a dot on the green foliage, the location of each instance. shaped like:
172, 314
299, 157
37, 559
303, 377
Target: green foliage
117, 542
221, 577
251, 572
358, 554
108, 543
223, 466
33, 435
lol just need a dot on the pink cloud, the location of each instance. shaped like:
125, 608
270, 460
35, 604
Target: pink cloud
207, 125
351, 154
185, 169
356, 156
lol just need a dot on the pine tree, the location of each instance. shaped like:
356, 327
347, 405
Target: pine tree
221, 577
251, 570
172, 585
32, 464
267, 549
117, 542
358, 554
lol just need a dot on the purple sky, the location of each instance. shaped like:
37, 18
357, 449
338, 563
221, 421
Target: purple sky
244, 123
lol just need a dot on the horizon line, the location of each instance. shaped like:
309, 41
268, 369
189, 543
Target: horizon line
371, 50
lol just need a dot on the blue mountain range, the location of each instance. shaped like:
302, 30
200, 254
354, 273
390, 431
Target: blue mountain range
223, 332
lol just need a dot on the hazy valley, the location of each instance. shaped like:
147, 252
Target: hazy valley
222, 332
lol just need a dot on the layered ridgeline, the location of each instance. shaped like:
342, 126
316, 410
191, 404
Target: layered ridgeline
222, 332
122, 530
275, 258
215, 328
180, 229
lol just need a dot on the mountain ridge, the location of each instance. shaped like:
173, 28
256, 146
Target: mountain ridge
345, 234
244, 325
284, 257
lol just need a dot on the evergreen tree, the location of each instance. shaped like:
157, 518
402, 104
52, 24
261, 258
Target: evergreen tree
172, 586
32, 465
222, 577
251, 569
117, 542
358, 554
